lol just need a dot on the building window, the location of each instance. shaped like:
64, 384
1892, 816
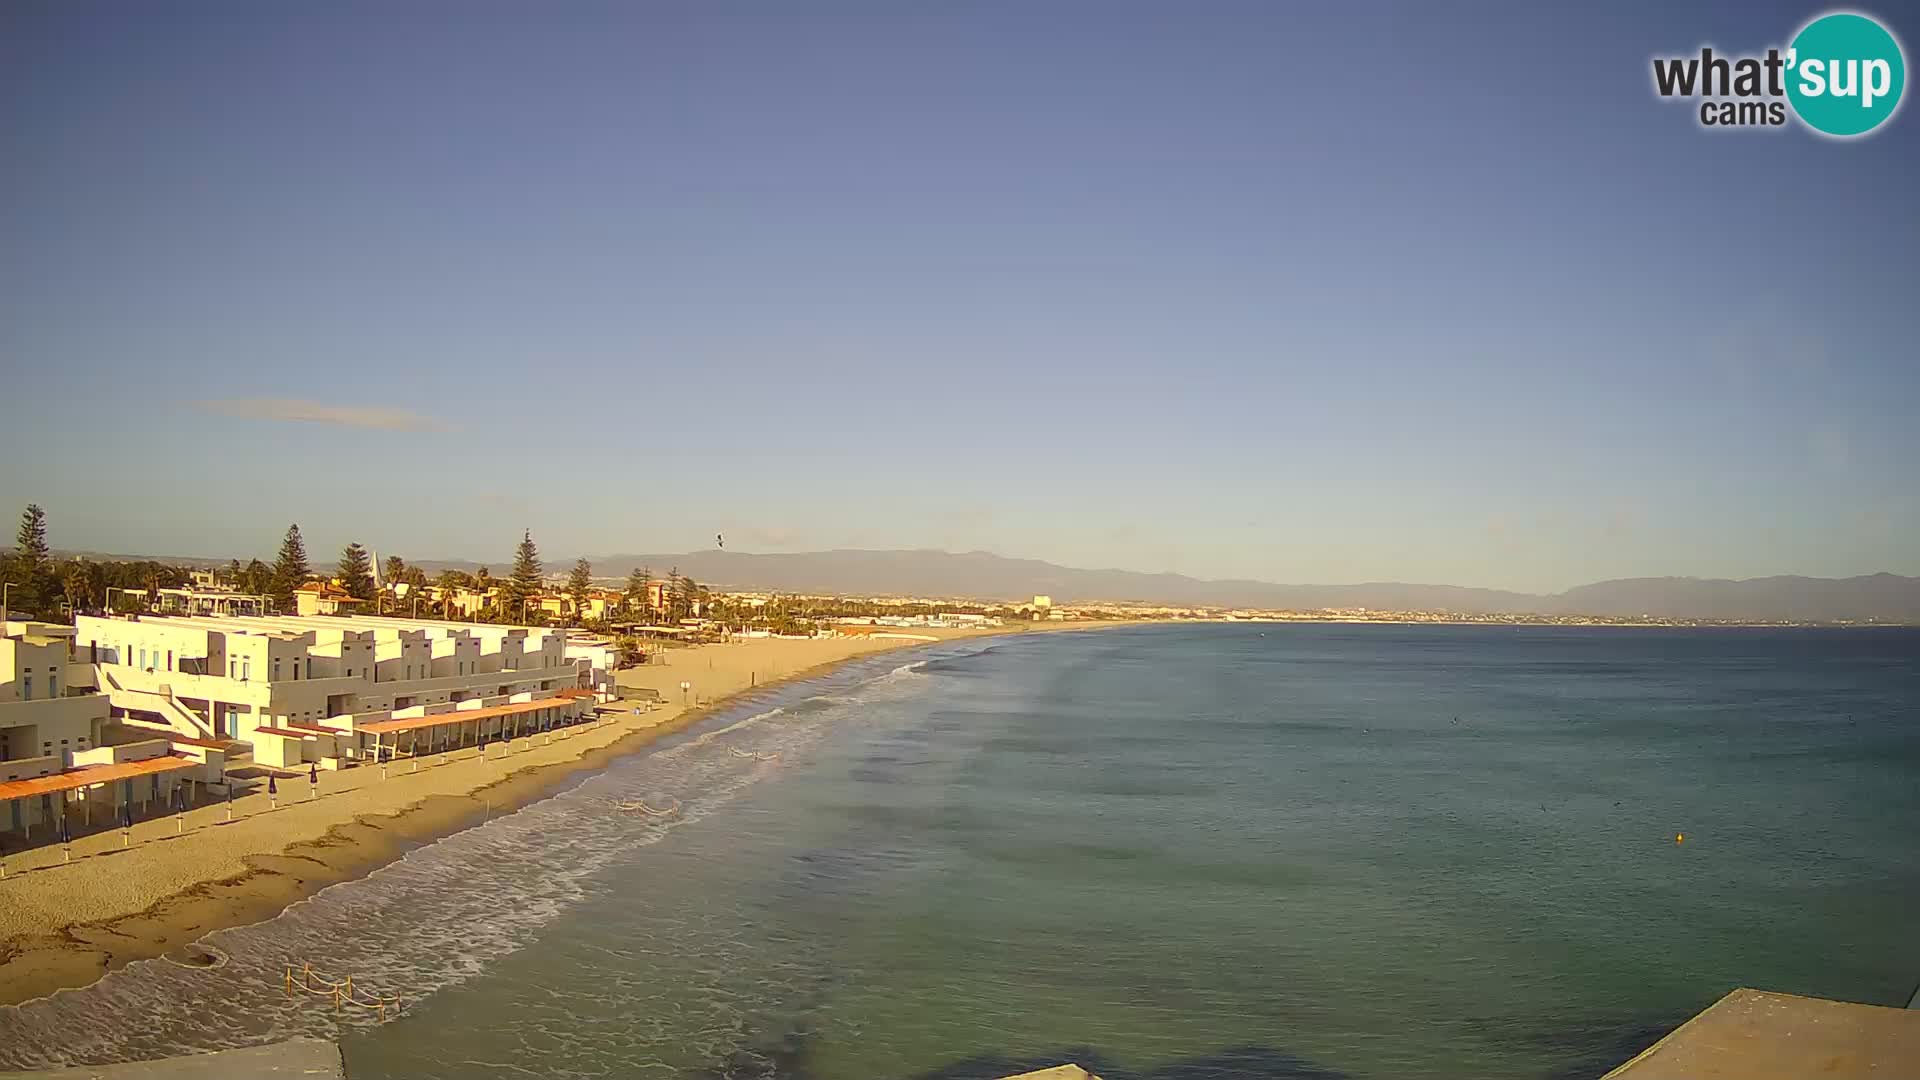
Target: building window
53, 685
143, 658
276, 669
233, 669
246, 668
26, 688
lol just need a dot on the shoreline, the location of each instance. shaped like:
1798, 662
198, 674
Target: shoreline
41, 953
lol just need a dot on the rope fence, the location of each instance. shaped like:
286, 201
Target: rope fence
341, 991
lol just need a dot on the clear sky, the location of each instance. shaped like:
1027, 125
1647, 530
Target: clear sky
1226, 289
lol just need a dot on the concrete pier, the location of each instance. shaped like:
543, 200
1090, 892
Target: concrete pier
295, 1059
1756, 1035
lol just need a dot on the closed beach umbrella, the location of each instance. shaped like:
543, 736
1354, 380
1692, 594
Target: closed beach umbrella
66, 836
313, 773
126, 815
272, 789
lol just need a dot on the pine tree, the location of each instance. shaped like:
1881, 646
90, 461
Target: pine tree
256, 578
579, 584
290, 570
31, 568
639, 584
687, 597
356, 572
524, 583
672, 597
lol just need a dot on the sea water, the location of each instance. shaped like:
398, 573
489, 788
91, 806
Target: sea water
1178, 852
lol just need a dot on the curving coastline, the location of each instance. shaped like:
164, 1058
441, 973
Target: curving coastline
65, 925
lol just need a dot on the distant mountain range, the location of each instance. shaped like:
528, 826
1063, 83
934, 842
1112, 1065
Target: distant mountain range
981, 575
984, 576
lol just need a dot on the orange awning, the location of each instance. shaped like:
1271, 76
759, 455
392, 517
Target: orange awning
461, 716
89, 775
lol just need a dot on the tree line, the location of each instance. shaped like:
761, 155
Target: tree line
40, 586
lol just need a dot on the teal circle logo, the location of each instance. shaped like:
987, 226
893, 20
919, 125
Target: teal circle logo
1845, 74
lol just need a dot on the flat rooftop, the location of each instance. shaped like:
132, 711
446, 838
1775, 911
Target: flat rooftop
461, 716
1756, 1035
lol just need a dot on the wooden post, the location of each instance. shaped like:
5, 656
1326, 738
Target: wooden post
289, 980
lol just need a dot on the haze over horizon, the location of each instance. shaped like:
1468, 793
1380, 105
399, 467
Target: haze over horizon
1095, 284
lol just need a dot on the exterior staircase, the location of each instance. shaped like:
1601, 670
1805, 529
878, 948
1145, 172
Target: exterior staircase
157, 710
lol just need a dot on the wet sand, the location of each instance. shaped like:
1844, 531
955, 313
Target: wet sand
67, 924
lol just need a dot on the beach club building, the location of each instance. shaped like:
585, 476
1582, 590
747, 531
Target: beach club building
331, 690
53, 745
42, 722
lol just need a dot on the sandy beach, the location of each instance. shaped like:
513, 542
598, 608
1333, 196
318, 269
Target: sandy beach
66, 924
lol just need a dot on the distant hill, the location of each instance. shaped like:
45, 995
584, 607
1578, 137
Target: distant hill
981, 575
1885, 597
984, 576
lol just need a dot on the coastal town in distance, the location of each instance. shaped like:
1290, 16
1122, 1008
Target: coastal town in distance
201, 679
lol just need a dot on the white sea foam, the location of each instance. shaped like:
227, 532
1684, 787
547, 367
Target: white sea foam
436, 916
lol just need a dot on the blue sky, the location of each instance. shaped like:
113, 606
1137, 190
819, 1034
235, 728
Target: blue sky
1228, 289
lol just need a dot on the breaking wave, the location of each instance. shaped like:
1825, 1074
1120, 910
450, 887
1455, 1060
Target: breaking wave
443, 912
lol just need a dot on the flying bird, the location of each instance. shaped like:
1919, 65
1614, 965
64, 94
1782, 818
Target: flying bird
720, 539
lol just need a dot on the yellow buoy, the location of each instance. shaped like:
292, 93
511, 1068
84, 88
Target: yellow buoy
1680, 838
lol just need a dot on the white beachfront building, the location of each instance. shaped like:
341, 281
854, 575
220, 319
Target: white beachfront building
330, 689
54, 748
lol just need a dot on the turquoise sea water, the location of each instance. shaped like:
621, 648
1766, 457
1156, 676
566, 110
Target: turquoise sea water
1170, 852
